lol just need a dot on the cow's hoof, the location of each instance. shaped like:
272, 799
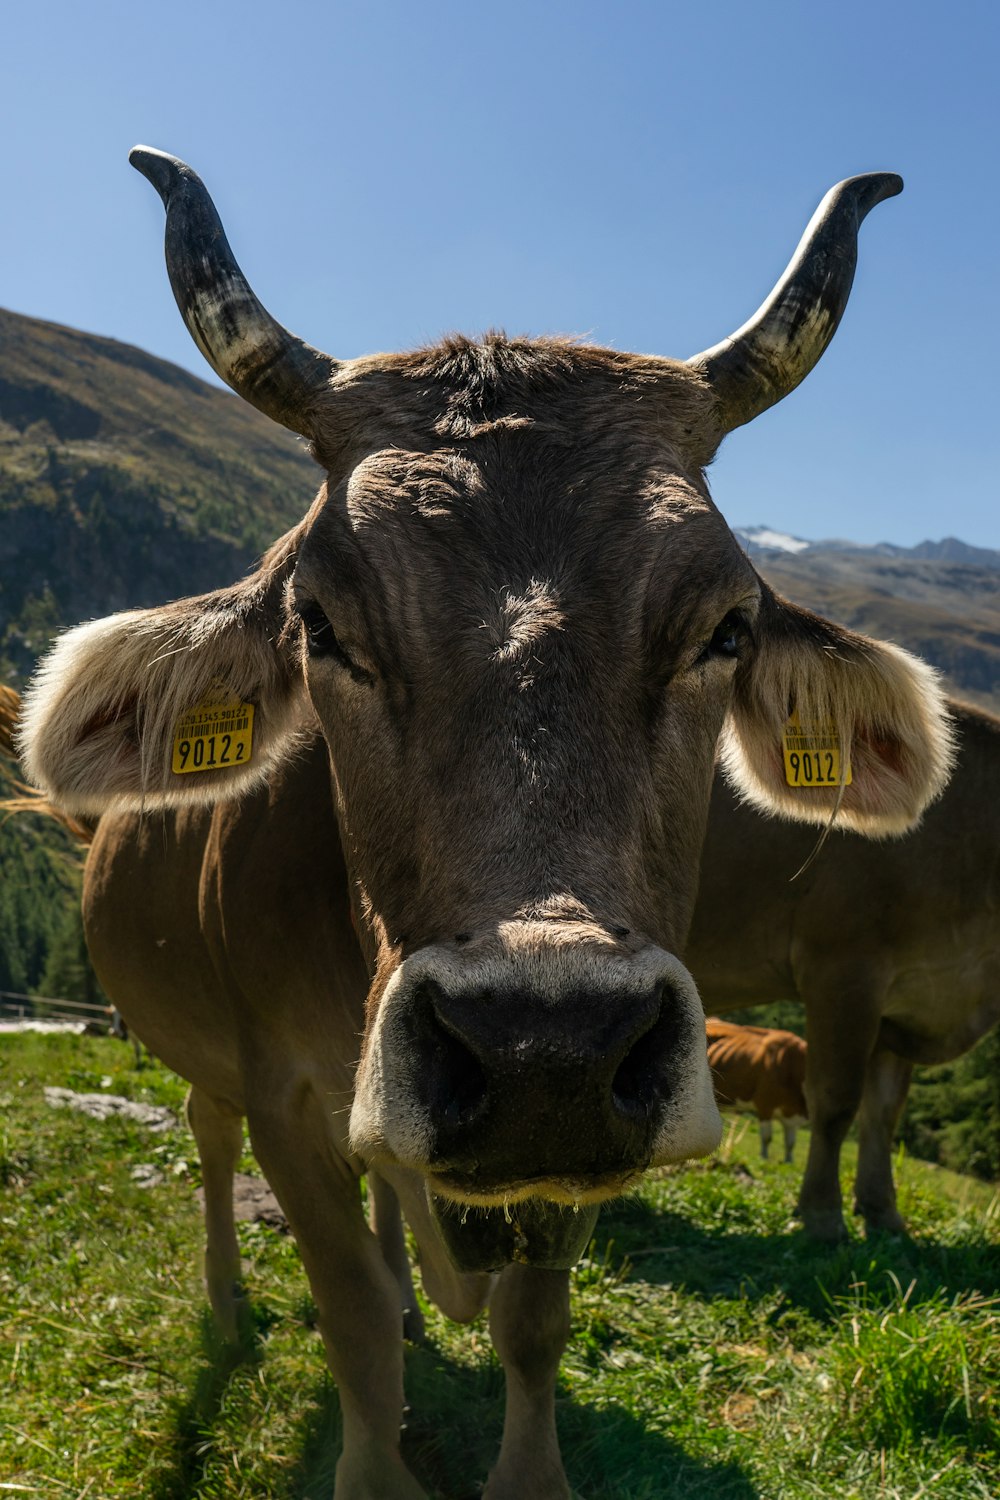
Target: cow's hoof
375, 1479
230, 1312
552, 1485
824, 1224
882, 1220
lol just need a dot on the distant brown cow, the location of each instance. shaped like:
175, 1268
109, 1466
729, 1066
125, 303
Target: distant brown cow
893, 947
762, 1070
473, 698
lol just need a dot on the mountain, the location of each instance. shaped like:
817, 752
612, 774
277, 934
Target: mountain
124, 481
939, 599
764, 541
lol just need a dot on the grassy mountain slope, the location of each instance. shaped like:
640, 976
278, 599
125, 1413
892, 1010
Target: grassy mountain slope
124, 481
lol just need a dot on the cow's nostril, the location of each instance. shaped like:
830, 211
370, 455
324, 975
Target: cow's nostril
462, 1082
455, 1080
642, 1079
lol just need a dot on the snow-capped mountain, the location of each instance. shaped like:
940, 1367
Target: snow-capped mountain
765, 540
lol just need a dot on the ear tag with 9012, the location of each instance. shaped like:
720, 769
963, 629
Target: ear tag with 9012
812, 755
213, 736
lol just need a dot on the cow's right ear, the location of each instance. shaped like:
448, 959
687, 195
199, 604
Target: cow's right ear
190, 703
858, 703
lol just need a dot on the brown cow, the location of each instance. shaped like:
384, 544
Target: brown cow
763, 1070
894, 949
474, 697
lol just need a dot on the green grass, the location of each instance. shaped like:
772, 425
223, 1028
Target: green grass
715, 1352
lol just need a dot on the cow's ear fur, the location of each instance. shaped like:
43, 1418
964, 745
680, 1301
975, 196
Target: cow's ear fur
886, 705
97, 722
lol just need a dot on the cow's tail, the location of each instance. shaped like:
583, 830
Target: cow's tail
24, 798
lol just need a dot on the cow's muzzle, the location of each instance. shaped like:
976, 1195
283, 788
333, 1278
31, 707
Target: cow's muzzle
533, 1071
519, 1092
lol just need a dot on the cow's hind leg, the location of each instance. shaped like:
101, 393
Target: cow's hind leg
529, 1323
766, 1131
838, 1055
218, 1132
387, 1225
887, 1082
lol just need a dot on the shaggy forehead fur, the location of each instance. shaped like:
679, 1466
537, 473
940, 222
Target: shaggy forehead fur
510, 477
461, 387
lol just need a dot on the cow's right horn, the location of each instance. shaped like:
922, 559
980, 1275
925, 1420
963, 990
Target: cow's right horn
765, 359
265, 364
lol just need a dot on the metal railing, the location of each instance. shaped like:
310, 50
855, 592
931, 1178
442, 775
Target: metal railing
17, 1007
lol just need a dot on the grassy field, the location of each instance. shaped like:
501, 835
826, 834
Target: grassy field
715, 1353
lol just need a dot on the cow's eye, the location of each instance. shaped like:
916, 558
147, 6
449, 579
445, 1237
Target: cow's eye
319, 632
321, 641
729, 636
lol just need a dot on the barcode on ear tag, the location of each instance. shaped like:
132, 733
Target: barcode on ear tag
812, 755
213, 737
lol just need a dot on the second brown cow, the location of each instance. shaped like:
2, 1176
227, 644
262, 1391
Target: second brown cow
760, 1069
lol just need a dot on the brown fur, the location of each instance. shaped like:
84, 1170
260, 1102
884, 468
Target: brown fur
758, 1066
762, 1070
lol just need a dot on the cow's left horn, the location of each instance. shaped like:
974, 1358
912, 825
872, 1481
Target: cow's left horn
766, 358
265, 364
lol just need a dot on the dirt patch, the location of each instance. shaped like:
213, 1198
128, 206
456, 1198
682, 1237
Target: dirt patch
254, 1202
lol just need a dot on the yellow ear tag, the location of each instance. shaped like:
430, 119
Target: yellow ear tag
812, 755
213, 737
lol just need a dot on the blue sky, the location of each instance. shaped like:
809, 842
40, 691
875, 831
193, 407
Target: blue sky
638, 173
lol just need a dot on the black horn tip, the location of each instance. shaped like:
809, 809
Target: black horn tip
160, 168
874, 187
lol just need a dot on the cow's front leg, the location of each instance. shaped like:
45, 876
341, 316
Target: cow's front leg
356, 1294
839, 1049
887, 1082
529, 1323
766, 1131
218, 1131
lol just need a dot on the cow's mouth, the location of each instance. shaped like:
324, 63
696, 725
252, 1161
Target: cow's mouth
533, 1232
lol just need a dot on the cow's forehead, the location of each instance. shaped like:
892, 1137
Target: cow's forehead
473, 471
509, 536
507, 500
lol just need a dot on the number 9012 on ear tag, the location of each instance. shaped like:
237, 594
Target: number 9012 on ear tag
813, 756
213, 737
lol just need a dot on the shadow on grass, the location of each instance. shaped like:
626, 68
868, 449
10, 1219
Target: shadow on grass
195, 1416
452, 1438
667, 1249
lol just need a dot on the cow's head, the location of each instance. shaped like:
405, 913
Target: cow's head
524, 628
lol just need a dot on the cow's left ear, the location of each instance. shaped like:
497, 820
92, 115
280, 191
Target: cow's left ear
815, 705
189, 703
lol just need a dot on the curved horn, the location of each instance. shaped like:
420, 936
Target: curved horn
263, 362
768, 357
